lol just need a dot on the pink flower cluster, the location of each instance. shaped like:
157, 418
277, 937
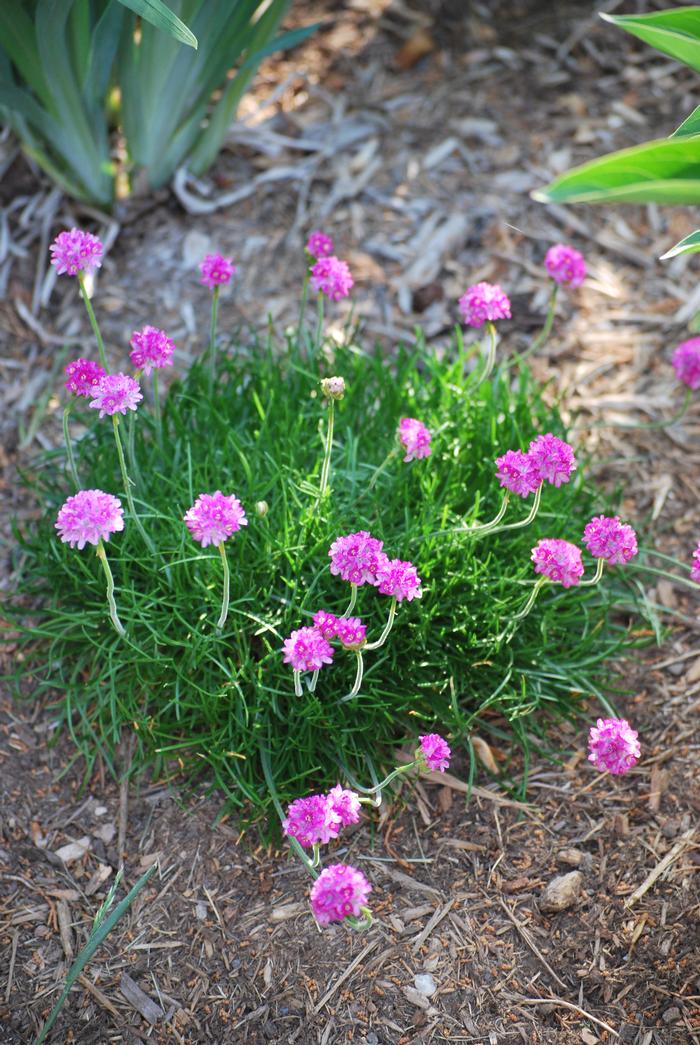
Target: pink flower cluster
415, 438
695, 568
434, 752
565, 265
326, 623
116, 394
306, 649
214, 517
151, 349
607, 538
319, 245
338, 892
613, 745
359, 559
351, 632
76, 251
558, 560
83, 376
518, 473
686, 362
548, 459
216, 270
482, 303
317, 819
399, 579
88, 517
332, 277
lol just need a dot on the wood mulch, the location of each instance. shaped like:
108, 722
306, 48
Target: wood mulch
412, 132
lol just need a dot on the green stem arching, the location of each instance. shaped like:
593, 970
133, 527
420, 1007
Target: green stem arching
523, 522
102, 556
227, 586
358, 679
128, 484
326, 467
297, 684
387, 628
304, 299
93, 321
131, 448
69, 448
491, 356
381, 468
484, 527
531, 600
596, 577
212, 336
392, 776
353, 599
156, 409
544, 332
319, 323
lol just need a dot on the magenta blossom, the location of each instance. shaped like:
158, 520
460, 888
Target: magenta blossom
558, 561
332, 277
326, 623
115, 394
565, 265
88, 517
345, 804
686, 362
83, 376
695, 569
312, 821
319, 245
415, 438
216, 270
76, 251
613, 745
484, 302
339, 891
307, 650
434, 752
518, 472
398, 579
355, 557
607, 538
553, 458
351, 632
151, 349
213, 517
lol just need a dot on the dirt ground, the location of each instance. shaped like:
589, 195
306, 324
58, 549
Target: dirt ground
412, 132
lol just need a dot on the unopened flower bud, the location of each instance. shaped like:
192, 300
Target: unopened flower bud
333, 387
261, 509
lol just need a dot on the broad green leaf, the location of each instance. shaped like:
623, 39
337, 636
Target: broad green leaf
666, 171
691, 125
675, 32
160, 15
688, 245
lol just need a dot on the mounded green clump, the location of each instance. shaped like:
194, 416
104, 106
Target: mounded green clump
197, 700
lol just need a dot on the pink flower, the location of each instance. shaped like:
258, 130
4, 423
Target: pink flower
355, 557
333, 387
695, 570
151, 349
484, 302
307, 650
518, 472
331, 277
216, 270
398, 579
312, 821
686, 362
83, 376
553, 458
613, 745
565, 265
76, 251
88, 517
213, 517
607, 538
434, 752
115, 394
415, 438
351, 632
339, 891
319, 245
326, 623
558, 560
345, 804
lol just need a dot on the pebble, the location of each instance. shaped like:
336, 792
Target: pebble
562, 892
425, 984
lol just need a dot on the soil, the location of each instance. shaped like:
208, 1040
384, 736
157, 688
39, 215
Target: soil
412, 132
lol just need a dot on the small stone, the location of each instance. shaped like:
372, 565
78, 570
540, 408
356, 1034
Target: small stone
562, 892
672, 1014
575, 858
73, 850
371, 1039
416, 997
425, 983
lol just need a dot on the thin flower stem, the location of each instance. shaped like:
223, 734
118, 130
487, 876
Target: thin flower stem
664, 573
131, 448
102, 556
128, 484
530, 517
69, 448
227, 585
326, 467
93, 321
353, 599
382, 467
360, 924
156, 410
387, 628
297, 684
319, 323
316, 855
491, 356
392, 776
484, 527
358, 679
314, 680
304, 298
596, 577
212, 337
531, 601
543, 334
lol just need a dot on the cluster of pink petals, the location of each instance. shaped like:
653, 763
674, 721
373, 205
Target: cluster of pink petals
115, 394
83, 376
356, 557
558, 560
216, 270
339, 891
399, 579
484, 302
351, 632
608, 538
312, 821
518, 472
613, 745
326, 623
151, 349
565, 265
434, 752
553, 458
415, 438
695, 568
76, 251
686, 362
332, 277
345, 804
214, 516
88, 517
319, 245
307, 650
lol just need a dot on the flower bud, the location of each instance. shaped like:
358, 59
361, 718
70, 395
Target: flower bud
261, 509
333, 387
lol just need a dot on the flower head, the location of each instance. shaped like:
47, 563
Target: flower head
307, 650
345, 804
83, 376
351, 632
319, 245
332, 277
326, 623
151, 349
553, 458
76, 251
434, 752
312, 821
695, 569
518, 472
398, 579
558, 561
214, 516
607, 538
339, 891
216, 270
613, 745
88, 517
686, 362
355, 557
415, 438
333, 387
565, 265
484, 302
115, 394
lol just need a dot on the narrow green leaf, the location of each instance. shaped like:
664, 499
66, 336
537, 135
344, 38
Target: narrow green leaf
691, 125
675, 32
18, 38
159, 15
688, 245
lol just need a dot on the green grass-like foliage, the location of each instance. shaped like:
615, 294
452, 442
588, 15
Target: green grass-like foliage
196, 700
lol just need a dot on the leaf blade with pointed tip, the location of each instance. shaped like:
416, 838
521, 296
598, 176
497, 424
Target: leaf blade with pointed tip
675, 32
690, 244
159, 15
